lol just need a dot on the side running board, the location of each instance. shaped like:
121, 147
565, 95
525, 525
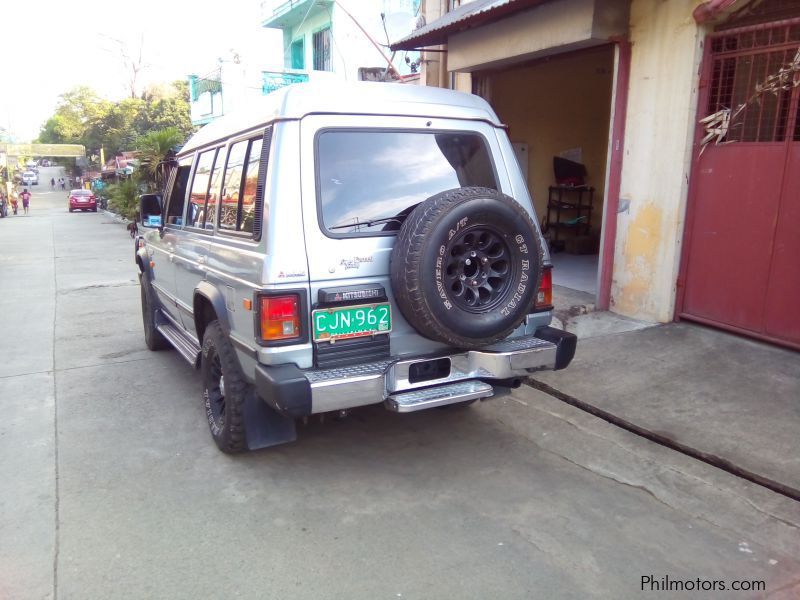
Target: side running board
185, 345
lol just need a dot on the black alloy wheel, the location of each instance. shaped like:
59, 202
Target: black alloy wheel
478, 269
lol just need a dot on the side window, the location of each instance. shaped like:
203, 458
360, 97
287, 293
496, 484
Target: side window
214, 189
240, 204
229, 212
198, 197
250, 186
176, 201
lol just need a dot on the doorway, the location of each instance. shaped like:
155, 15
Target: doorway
558, 111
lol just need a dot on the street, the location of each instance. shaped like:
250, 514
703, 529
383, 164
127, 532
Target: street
113, 488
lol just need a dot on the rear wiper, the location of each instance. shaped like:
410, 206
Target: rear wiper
370, 223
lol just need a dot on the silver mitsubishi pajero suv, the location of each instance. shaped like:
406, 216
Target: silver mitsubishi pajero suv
343, 245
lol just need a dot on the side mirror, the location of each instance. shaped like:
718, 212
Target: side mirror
150, 210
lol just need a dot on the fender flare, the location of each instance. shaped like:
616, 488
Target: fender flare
206, 290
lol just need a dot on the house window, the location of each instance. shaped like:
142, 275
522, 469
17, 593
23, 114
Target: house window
322, 50
298, 54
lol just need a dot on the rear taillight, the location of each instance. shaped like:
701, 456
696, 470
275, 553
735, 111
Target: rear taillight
544, 297
280, 317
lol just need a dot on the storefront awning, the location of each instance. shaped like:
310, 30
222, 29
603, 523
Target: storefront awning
480, 35
467, 16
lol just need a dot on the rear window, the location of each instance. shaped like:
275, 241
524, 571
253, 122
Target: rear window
370, 181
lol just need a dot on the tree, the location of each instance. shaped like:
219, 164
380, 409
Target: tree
117, 130
77, 111
155, 148
132, 60
166, 108
82, 117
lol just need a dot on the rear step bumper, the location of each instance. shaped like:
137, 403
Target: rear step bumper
463, 376
439, 395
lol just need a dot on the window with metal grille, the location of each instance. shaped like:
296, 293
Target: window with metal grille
762, 11
745, 62
322, 50
797, 125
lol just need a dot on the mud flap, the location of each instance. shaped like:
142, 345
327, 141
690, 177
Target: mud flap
264, 427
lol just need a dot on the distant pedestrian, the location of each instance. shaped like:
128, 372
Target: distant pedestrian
26, 200
52, 183
63, 183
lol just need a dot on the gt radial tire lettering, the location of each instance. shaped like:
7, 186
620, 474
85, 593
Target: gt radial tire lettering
438, 275
215, 429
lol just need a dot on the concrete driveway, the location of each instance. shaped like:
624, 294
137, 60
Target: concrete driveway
111, 487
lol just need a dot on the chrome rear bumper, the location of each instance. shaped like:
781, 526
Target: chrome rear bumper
359, 385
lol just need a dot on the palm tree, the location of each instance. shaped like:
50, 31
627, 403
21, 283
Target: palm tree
155, 149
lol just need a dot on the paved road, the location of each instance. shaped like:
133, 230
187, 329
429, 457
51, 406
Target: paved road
110, 486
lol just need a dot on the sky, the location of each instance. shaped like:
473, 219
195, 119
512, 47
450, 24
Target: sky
55, 45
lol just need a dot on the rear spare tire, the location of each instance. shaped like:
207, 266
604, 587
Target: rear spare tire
466, 266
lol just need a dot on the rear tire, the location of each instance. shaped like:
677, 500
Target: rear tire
152, 336
224, 390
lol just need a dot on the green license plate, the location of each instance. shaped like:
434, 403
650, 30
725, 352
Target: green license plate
351, 321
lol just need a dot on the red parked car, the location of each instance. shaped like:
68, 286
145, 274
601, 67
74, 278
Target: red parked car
82, 200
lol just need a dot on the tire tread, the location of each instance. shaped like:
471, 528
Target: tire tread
233, 438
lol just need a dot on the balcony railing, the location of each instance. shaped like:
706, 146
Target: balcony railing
287, 13
274, 80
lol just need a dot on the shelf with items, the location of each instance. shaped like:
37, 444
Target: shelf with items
569, 207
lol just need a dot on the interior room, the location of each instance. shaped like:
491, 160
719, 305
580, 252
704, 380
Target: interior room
558, 112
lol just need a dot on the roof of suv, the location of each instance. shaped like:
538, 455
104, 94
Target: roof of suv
368, 98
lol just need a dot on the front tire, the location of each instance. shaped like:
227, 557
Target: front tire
224, 390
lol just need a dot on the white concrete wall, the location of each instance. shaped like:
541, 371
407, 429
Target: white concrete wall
661, 117
350, 47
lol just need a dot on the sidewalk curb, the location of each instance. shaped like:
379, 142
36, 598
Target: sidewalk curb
115, 216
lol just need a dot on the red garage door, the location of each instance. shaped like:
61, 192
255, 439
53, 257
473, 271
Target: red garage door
741, 261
